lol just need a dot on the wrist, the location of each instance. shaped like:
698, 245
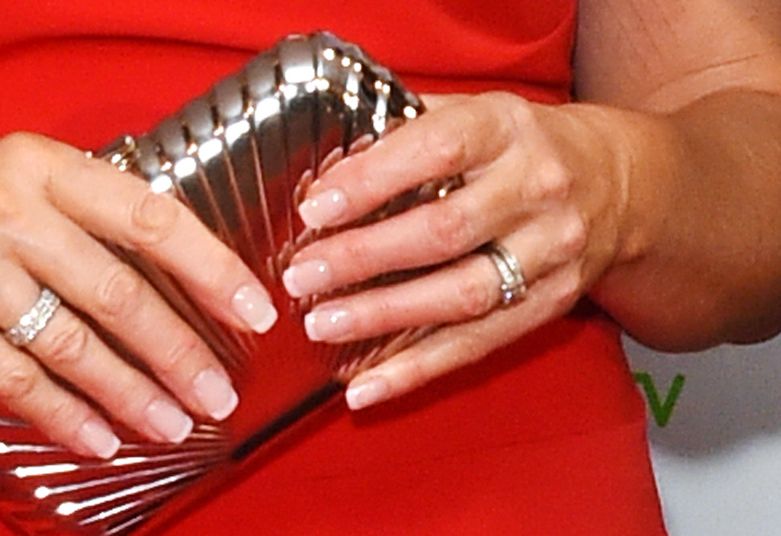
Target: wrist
637, 157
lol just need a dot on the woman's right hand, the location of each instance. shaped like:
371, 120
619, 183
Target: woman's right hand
55, 206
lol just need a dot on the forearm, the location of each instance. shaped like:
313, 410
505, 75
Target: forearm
699, 258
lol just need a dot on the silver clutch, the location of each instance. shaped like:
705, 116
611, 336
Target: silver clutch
240, 157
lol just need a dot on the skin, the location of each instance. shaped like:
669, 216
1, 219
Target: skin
657, 195
54, 204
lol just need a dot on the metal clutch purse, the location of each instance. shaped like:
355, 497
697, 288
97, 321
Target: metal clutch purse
240, 157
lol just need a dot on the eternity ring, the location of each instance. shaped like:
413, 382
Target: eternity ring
35, 320
513, 286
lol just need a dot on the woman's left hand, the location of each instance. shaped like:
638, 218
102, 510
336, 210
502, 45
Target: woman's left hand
542, 181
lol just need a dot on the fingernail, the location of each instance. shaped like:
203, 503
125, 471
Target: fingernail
368, 393
252, 304
306, 278
324, 208
168, 420
98, 438
328, 324
215, 394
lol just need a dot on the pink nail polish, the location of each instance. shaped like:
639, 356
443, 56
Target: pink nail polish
252, 304
368, 393
98, 438
323, 209
168, 421
307, 278
215, 393
328, 324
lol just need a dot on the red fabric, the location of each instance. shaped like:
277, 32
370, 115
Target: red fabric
545, 437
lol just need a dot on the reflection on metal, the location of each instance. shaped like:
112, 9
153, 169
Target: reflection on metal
241, 158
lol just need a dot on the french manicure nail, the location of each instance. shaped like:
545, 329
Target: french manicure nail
324, 208
368, 393
252, 304
168, 420
98, 438
215, 394
328, 324
306, 278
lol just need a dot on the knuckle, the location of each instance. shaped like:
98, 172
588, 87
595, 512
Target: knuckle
153, 218
19, 382
222, 273
487, 98
69, 344
377, 315
575, 236
128, 399
521, 114
178, 353
490, 105
25, 159
418, 373
447, 145
449, 229
473, 297
120, 291
356, 254
468, 349
29, 152
506, 98
384, 315
371, 190
64, 412
553, 182
21, 147
128, 402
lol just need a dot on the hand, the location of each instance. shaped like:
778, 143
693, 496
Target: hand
537, 180
54, 206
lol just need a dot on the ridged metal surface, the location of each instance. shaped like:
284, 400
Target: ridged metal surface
240, 157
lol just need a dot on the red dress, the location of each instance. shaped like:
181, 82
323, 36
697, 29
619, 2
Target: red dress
544, 437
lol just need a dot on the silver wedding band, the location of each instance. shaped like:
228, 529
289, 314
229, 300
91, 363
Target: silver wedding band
513, 283
35, 320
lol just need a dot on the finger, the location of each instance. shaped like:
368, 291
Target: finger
462, 291
443, 143
120, 300
458, 345
120, 208
27, 391
427, 235
69, 348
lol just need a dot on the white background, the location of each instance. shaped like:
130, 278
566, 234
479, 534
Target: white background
718, 460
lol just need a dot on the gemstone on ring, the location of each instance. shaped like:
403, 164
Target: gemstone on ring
35, 320
513, 284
